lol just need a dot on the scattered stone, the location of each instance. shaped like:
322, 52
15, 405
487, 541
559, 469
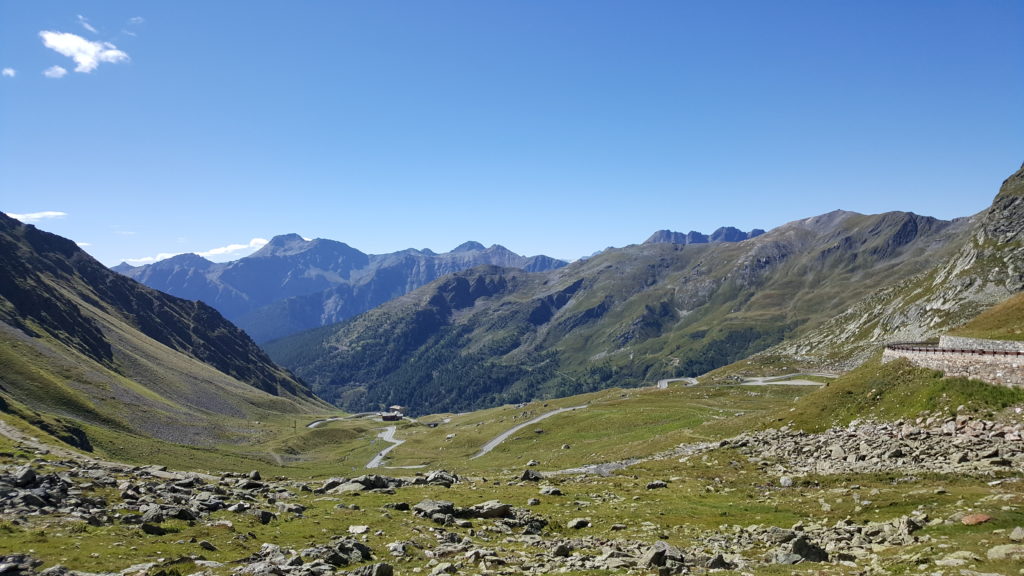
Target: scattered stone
263, 516
577, 523
153, 529
358, 529
1017, 535
803, 547
975, 519
430, 508
550, 491
444, 568
657, 484
490, 509
24, 476
1013, 552
531, 476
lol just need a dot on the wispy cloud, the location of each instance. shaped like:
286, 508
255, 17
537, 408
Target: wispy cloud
219, 252
86, 54
85, 24
8, 72
54, 72
254, 244
37, 216
83, 244
136, 20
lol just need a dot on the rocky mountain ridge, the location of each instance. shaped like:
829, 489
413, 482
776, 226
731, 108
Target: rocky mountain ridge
723, 234
623, 317
292, 284
988, 268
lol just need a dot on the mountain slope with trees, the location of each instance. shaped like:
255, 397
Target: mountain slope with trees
626, 316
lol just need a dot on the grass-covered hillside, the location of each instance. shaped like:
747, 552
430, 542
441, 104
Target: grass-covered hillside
628, 316
97, 359
982, 272
1004, 321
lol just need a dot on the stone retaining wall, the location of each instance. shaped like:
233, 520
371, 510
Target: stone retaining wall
958, 343
1005, 367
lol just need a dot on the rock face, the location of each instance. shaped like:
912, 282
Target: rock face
724, 234
293, 284
987, 269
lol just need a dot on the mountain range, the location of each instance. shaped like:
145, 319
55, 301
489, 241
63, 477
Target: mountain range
668, 308
292, 284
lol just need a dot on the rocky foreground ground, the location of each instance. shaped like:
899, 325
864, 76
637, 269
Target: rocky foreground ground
125, 518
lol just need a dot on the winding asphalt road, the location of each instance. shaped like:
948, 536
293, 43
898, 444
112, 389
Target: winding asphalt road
503, 436
387, 435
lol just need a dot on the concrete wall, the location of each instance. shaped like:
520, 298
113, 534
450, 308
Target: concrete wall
1004, 369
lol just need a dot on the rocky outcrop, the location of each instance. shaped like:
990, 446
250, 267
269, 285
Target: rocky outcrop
988, 269
944, 445
293, 284
723, 234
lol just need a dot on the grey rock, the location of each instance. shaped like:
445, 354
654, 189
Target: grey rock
431, 508
1013, 552
808, 550
24, 476
490, 509
578, 523
263, 516
531, 476
660, 554
153, 529
379, 569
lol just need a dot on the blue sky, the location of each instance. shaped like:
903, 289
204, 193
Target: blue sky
550, 127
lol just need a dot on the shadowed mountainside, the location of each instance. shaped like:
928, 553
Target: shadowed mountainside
624, 317
85, 343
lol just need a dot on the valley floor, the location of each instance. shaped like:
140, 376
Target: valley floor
935, 495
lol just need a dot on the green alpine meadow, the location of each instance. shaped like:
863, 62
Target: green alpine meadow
507, 288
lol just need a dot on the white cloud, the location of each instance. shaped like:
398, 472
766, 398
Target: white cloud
86, 54
254, 244
85, 24
220, 252
37, 216
8, 72
54, 72
83, 244
136, 20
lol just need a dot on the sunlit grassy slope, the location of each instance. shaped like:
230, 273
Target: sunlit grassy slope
1005, 321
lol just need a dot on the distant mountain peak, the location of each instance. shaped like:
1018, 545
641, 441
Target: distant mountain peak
470, 246
283, 245
186, 259
723, 234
